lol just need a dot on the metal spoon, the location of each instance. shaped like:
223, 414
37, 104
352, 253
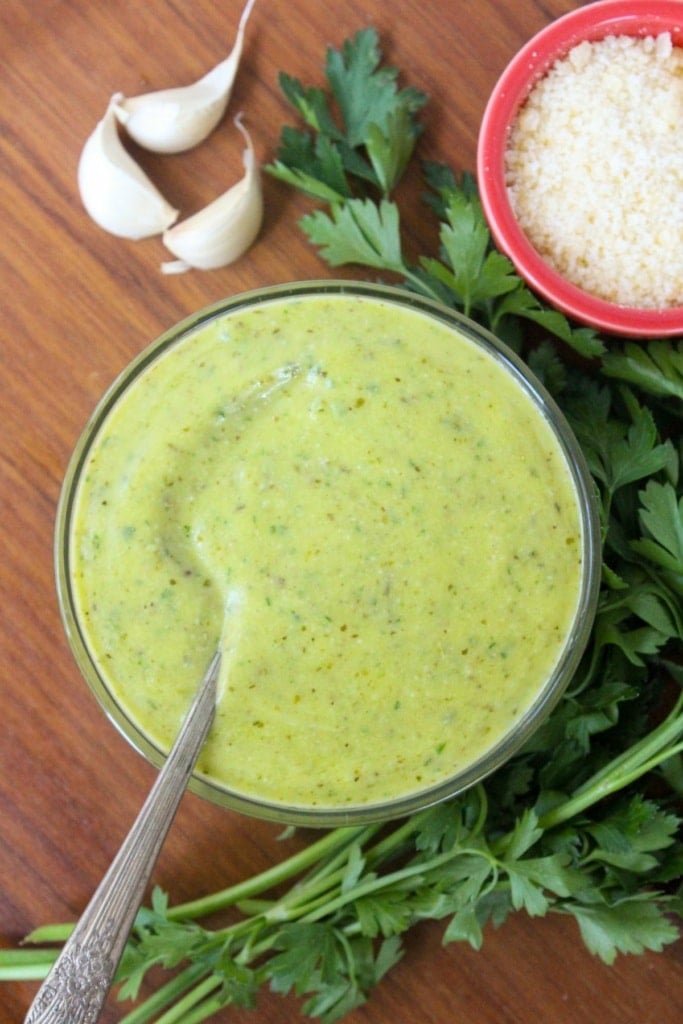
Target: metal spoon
76, 987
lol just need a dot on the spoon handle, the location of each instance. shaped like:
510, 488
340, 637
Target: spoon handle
76, 987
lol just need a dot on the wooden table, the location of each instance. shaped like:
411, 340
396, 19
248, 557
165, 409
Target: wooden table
76, 305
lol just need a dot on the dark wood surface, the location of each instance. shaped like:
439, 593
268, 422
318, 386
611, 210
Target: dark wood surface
76, 304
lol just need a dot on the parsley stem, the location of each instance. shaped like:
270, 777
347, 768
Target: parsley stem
323, 909
332, 842
667, 731
313, 893
293, 905
330, 866
165, 995
657, 746
396, 840
200, 1013
179, 1012
50, 933
26, 964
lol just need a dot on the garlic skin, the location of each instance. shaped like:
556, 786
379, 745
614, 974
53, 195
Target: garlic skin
224, 230
115, 191
174, 120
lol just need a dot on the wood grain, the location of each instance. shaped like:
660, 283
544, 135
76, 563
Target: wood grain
77, 305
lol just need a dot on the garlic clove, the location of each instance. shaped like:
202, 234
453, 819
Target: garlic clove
173, 120
115, 191
224, 230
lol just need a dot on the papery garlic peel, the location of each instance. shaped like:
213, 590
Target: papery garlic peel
114, 189
224, 230
174, 120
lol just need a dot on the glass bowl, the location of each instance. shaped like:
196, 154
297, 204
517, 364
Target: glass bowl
376, 316
591, 22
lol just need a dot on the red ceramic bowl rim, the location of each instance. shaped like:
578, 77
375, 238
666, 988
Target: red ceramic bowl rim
591, 22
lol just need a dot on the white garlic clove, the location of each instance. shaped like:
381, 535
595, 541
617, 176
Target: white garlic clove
115, 191
224, 230
173, 120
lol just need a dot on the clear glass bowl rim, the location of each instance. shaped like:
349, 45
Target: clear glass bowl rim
526, 725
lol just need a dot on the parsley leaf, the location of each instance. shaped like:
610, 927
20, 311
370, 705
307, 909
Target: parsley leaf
312, 165
618, 452
307, 955
387, 914
630, 926
365, 91
390, 146
521, 302
360, 134
313, 106
633, 833
661, 516
656, 368
358, 231
472, 271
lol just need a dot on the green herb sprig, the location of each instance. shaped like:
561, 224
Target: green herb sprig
360, 136
583, 821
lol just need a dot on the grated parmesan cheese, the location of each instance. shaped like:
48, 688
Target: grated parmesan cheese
594, 169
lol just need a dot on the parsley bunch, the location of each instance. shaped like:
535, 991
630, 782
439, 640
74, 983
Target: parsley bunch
583, 821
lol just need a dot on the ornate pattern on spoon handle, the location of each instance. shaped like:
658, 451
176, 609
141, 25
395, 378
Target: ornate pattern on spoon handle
78, 985
76, 988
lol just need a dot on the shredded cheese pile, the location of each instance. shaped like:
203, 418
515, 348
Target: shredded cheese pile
594, 169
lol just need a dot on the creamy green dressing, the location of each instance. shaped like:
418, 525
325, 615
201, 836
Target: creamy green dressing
368, 511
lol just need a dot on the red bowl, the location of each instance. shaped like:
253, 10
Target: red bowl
591, 22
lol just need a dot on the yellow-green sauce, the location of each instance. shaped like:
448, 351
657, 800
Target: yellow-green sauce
370, 512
